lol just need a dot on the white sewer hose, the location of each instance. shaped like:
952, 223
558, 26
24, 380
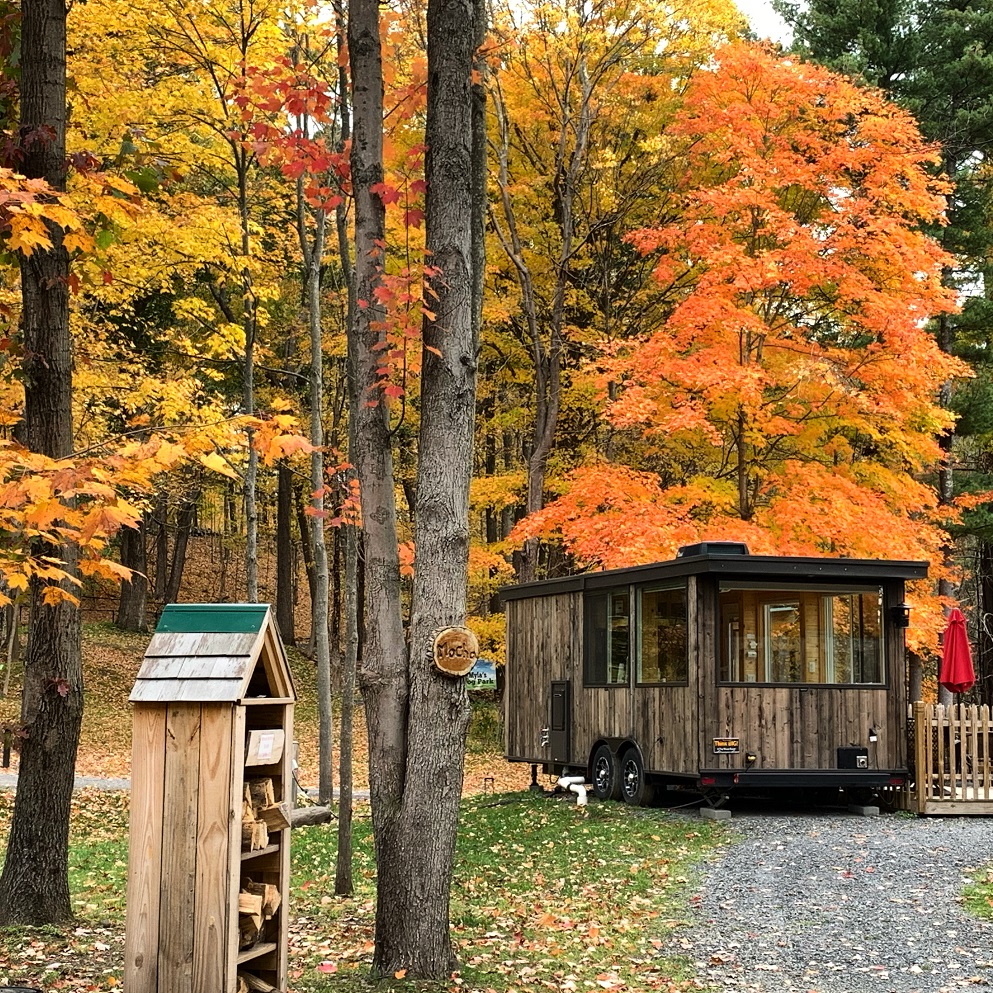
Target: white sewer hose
578, 786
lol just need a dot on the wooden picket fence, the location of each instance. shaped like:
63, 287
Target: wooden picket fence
953, 760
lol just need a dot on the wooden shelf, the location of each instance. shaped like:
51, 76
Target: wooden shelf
268, 850
256, 951
264, 701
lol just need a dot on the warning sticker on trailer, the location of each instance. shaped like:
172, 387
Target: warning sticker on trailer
727, 746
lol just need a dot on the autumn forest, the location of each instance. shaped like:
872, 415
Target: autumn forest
706, 288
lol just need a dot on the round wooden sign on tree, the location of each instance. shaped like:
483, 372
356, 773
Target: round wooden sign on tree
455, 651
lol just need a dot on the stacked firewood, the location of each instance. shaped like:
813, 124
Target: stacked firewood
260, 814
247, 983
257, 902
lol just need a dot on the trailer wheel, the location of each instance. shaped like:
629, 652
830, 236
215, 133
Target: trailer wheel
634, 785
606, 776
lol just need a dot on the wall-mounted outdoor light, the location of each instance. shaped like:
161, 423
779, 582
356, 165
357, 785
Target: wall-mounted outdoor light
900, 615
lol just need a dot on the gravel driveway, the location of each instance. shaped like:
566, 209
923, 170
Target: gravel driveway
836, 903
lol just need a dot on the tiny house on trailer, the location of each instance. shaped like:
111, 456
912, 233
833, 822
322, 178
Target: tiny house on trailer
718, 670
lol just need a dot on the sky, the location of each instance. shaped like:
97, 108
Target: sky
766, 23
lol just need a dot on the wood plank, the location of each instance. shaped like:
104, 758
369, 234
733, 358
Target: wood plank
257, 951
186, 691
179, 818
235, 793
193, 667
208, 690
958, 808
282, 915
211, 921
987, 734
172, 643
214, 667
145, 850
156, 668
922, 758
201, 644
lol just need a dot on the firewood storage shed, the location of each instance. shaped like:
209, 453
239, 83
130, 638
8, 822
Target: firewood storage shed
209, 853
717, 670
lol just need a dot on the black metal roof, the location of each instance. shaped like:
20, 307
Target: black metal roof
731, 564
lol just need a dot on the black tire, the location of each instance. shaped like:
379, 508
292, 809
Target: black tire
635, 787
606, 774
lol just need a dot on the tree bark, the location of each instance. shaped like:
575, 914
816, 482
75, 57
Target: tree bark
34, 886
417, 717
132, 613
161, 544
284, 554
352, 598
343, 874
184, 524
313, 254
383, 673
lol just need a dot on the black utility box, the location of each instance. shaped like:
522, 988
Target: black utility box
853, 757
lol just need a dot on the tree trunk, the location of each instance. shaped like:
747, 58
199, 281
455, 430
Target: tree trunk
417, 717
184, 524
353, 593
161, 544
34, 886
132, 614
383, 673
284, 554
343, 875
319, 603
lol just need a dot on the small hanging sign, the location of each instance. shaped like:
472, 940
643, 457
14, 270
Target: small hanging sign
727, 746
455, 651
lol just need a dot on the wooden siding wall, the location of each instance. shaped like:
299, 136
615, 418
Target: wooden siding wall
802, 727
545, 643
182, 848
787, 727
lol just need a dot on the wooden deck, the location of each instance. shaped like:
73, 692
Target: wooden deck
952, 767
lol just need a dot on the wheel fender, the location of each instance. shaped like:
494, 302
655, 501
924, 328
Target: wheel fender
616, 745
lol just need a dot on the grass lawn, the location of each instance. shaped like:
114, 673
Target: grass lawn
978, 895
546, 895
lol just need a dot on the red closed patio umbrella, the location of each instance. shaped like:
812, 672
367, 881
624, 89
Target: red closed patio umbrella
957, 673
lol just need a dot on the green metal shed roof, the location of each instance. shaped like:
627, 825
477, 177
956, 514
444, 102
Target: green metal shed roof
212, 618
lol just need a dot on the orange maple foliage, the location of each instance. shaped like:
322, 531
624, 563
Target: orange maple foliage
789, 400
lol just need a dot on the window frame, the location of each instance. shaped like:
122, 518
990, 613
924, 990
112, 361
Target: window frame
767, 595
640, 591
608, 594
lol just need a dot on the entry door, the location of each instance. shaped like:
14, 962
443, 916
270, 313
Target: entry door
560, 721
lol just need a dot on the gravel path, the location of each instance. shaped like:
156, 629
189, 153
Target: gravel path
836, 903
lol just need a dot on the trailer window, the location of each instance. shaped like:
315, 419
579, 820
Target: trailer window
807, 636
607, 655
662, 636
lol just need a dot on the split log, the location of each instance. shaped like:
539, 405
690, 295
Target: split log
248, 931
260, 792
251, 904
305, 816
276, 817
254, 835
267, 893
256, 985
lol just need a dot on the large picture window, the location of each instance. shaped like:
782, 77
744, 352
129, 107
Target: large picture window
824, 635
662, 636
607, 655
